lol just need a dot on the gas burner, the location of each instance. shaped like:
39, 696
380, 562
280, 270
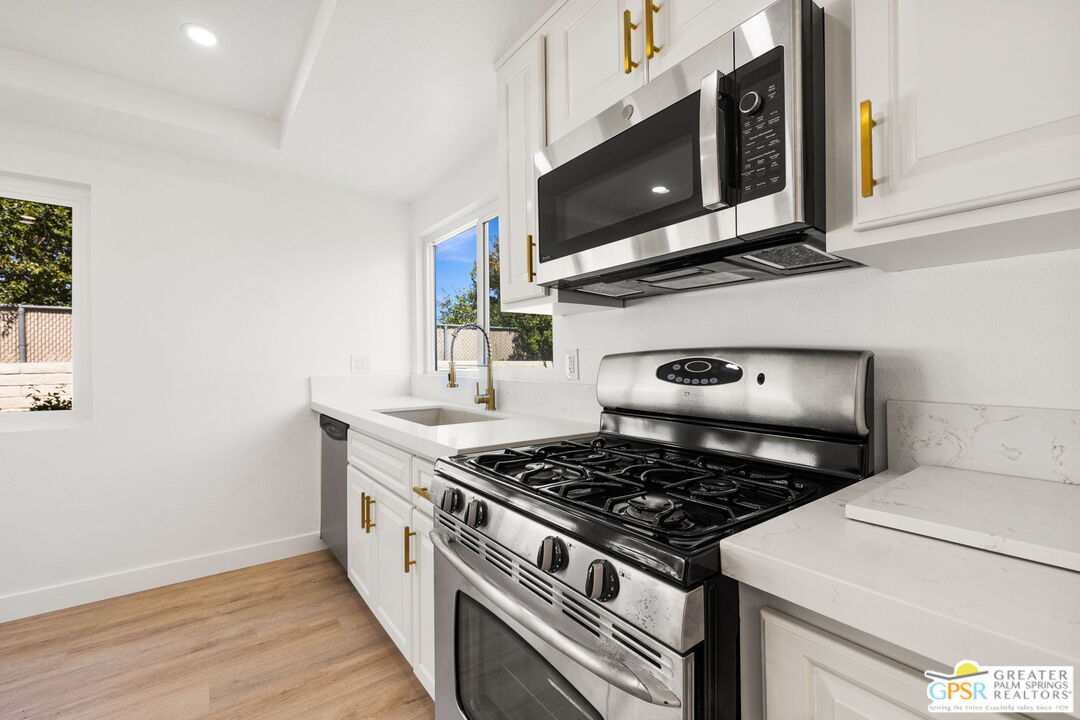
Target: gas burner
651, 504
713, 488
585, 490
663, 476
542, 473
587, 457
635, 471
657, 511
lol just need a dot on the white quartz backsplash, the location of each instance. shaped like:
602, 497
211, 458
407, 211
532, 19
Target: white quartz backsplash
1029, 442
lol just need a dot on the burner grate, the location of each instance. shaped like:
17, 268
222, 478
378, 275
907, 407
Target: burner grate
687, 498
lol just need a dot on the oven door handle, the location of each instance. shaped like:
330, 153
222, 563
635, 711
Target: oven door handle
713, 143
639, 683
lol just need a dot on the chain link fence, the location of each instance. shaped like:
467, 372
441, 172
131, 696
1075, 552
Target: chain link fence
467, 349
35, 334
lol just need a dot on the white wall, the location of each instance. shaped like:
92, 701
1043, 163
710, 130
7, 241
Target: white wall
472, 186
215, 295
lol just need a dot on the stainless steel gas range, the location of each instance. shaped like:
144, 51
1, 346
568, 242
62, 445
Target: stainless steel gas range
582, 579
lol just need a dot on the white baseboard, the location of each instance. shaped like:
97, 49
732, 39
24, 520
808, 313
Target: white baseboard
79, 592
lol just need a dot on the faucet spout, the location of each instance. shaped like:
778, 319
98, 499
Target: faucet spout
488, 398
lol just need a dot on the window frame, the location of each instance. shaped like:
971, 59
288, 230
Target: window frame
445, 231
77, 197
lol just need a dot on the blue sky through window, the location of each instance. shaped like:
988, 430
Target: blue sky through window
455, 259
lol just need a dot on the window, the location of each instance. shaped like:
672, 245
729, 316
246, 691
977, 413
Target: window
461, 295
42, 230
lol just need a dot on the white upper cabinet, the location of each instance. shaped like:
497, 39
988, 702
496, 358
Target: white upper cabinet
590, 66
682, 27
521, 135
973, 120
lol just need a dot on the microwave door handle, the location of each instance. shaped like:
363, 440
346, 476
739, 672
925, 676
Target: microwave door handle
713, 145
640, 683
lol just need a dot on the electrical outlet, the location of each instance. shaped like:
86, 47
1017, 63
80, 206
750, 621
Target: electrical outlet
572, 372
359, 364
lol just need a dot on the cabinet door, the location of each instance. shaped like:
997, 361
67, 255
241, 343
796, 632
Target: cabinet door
813, 675
521, 135
390, 515
682, 27
423, 578
361, 544
962, 122
585, 60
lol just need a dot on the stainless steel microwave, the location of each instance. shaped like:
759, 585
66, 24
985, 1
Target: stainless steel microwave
713, 173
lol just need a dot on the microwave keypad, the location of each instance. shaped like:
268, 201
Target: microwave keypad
761, 126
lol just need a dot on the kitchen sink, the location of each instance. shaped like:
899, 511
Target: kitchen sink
440, 416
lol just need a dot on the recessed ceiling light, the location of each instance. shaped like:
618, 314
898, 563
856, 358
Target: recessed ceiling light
199, 34
660, 190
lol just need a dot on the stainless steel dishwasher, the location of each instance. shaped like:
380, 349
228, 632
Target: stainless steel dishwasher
335, 462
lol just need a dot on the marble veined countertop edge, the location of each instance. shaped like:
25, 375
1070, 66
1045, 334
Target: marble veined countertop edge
942, 600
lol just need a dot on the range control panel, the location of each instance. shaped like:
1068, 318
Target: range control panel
699, 371
762, 152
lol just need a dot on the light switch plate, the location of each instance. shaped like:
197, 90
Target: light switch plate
572, 371
359, 364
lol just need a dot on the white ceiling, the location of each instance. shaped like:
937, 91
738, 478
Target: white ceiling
251, 70
380, 96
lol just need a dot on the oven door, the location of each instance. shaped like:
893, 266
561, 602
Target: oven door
504, 653
652, 176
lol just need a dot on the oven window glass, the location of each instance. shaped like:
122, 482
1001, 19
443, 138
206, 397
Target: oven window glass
501, 677
644, 178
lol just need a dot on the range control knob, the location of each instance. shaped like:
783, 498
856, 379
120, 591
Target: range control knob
551, 557
750, 103
475, 513
602, 582
451, 500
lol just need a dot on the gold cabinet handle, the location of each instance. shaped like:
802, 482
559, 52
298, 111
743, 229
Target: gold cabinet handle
866, 148
627, 26
363, 511
529, 247
409, 562
423, 492
651, 48
369, 525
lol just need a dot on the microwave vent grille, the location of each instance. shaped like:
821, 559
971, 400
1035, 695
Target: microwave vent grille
702, 280
792, 257
610, 290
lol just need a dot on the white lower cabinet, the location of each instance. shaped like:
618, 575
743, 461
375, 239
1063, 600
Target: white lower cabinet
389, 517
391, 560
423, 578
361, 545
811, 674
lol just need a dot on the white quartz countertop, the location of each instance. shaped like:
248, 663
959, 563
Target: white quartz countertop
944, 601
363, 415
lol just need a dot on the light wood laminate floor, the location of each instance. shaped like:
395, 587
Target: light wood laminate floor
288, 639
